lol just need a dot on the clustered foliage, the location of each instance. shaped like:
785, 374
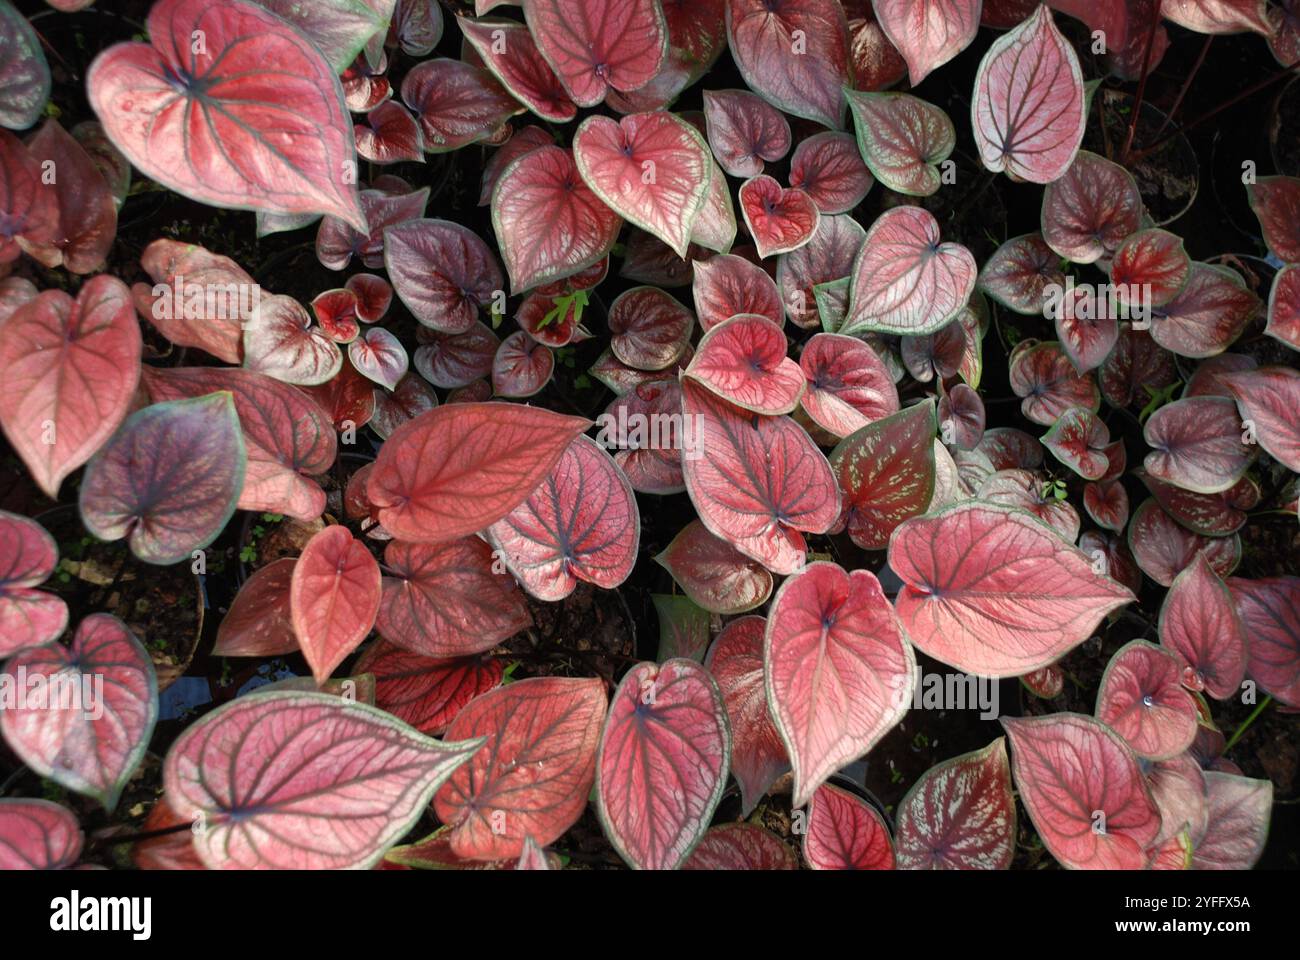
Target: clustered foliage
793, 293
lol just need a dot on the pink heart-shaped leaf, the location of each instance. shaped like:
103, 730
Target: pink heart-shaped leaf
780, 219
903, 139
456, 103
333, 598
281, 342
507, 49
599, 46
743, 360
828, 167
713, 573
845, 833
1143, 700
1199, 625
928, 33
1270, 614
744, 130
37, 834
379, 356
28, 617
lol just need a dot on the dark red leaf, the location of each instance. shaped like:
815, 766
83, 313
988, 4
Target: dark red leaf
849, 386
713, 573
449, 361
389, 135
31, 213
1197, 444
727, 285
87, 209
410, 398
741, 846
337, 242
845, 833
259, 623
456, 103
1270, 615
1150, 268
1135, 363
828, 167
521, 367
649, 329
1162, 548
1091, 209
1020, 271
1268, 399
827, 257
373, 296
426, 693
507, 49
744, 130
903, 139
1200, 626
1048, 382
1026, 491
1079, 440
648, 450
1208, 315
442, 271
1213, 514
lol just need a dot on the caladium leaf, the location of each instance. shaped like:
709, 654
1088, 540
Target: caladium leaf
887, 473
845, 833
1028, 110
962, 417
521, 367
596, 48
338, 242
1010, 448
828, 167
1107, 504
849, 386
714, 574
277, 776
684, 628
1214, 514
1270, 615
1003, 597
333, 598
379, 356
390, 135
758, 757
1207, 315
443, 272
759, 480
533, 775
1284, 305
1135, 364
507, 49
336, 312
1200, 626
838, 673
1021, 271
1048, 382
338, 28
1111, 554
87, 208
93, 747
1091, 209
1084, 791
928, 33
1197, 444
1150, 267
287, 437
1079, 439
743, 360
71, 368
37, 835
30, 617
662, 763
580, 523
1163, 548
827, 257
652, 169
1218, 16
744, 130
727, 285
779, 219
1239, 812
1026, 490
1268, 398
794, 54
1178, 788
373, 296
876, 62
259, 623
252, 118
741, 846
24, 73
281, 342
456, 103
450, 361
903, 139
905, 280
1142, 699
649, 329
31, 212
426, 693
715, 226
650, 456
417, 26
459, 468
960, 815
410, 398
548, 222
445, 600
169, 479
348, 399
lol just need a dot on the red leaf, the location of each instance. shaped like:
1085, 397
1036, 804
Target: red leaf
994, 592
961, 413
1270, 617
758, 482
928, 33
1150, 268
1209, 313
713, 573
1079, 440
170, 851
1200, 626
1162, 548
31, 617
446, 599
37, 835
94, 747
348, 399
548, 222
741, 846
1136, 362
521, 366
649, 330
1269, 397
169, 479
71, 369
450, 361
443, 272
333, 598
1218, 16
426, 693
373, 296
31, 213
410, 398
336, 312
838, 674
662, 764
281, 342
849, 386
303, 781
287, 437
337, 242
903, 139
253, 119
905, 280
1045, 377
652, 169
650, 457
845, 833
1091, 209
1084, 791
1027, 110
727, 285
1107, 504
24, 74
793, 53
1143, 701
456, 103
960, 815
459, 468
417, 26
1197, 444
829, 256
1240, 810
389, 135
507, 49
259, 623
779, 219
887, 473
601, 46
743, 360
1020, 271
1214, 514
744, 130
87, 209
1276, 202
1007, 448
379, 356
876, 63
1025, 490
828, 167
524, 141
533, 775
